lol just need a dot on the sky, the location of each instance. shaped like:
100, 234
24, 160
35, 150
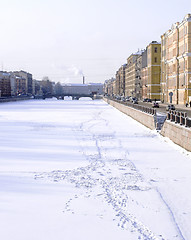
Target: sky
66, 39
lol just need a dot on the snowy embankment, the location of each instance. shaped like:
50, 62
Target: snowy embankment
83, 170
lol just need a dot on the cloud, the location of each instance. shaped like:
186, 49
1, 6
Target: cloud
68, 74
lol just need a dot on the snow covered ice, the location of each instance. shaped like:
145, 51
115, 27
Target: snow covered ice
82, 170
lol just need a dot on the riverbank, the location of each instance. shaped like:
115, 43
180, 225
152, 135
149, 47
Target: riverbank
14, 99
177, 133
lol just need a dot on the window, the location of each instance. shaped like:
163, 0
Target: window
155, 49
155, 59
174, 68
174, 52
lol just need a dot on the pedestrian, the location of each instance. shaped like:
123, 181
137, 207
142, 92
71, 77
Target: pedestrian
186, 104
190, 103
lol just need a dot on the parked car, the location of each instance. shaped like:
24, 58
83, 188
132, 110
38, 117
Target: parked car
135, 101
170, 107
155, 105
118, 97
145, 99
149, 100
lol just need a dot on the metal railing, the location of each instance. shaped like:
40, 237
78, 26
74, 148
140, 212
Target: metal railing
179, 118
159, 119
148, 110
175, 116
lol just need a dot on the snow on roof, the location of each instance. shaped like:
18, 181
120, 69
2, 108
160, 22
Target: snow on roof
4, 73
95, 83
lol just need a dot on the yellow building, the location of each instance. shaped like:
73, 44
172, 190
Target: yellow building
176, 63
153, 70
143, 71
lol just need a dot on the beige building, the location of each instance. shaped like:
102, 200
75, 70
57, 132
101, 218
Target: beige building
176, 63
132, 77
114, 88
144, 74
117, 83
108, 87
120, 80
29, 83
138, 81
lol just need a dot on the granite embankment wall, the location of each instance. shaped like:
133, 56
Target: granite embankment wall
143, 118
178, 134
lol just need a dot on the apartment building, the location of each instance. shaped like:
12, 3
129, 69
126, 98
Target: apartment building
114, 88
176, 63
153, 70
132, 77
29, 88
20, 85
138, 84
144, 74
140, 77
8, 84
120, 80
5, 84
108, 86
117, 83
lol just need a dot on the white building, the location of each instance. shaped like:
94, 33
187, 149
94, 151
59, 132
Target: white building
91, 88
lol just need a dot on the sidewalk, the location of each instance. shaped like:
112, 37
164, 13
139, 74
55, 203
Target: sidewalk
177, 106
181, 106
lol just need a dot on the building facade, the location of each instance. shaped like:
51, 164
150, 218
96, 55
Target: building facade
90, 88
153, 70
29, 83
144, 74
138, 81
20, 85
132, 76
108, 87
176, 63
120, 80
8, 84
5, 84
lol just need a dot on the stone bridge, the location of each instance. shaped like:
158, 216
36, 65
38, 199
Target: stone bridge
76, 96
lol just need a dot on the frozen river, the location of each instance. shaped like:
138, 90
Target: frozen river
82, 170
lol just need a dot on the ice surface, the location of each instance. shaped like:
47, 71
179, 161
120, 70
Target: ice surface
83, 170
